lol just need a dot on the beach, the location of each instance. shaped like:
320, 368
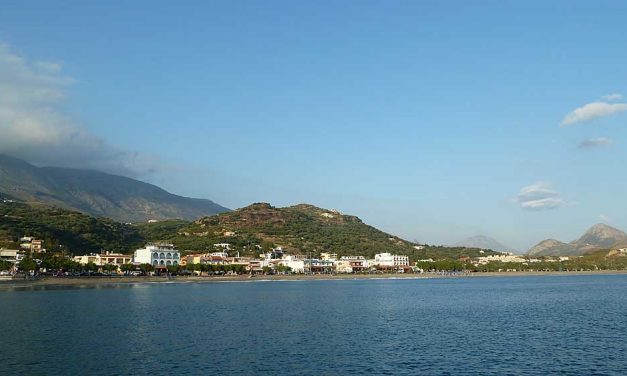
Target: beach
123, 280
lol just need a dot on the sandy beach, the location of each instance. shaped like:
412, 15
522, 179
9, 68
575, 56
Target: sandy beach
103, 281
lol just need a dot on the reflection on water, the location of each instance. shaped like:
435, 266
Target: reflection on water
534, 325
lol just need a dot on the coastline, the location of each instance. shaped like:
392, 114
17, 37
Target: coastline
78, 282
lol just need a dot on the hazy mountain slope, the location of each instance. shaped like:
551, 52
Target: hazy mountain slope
552, 247
97, 193
484, 242
599, 236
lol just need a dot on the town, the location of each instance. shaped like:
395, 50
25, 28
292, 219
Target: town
160, 259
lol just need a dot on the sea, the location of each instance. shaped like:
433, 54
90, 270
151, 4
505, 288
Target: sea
527, 325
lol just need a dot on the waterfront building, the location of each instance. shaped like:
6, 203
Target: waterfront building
319, 266
499, 258
157, 255
295, 262
107, 258
10, 255
389, 260
355, 263
117, 259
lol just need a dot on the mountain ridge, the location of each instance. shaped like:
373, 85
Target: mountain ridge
97, 193
597, 237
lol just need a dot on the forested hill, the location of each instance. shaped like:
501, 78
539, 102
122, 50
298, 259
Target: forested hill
303, 229
77, 233
300, 229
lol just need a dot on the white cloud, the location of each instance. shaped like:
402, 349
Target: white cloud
605, 218
539, 196
595, 142
35, 127
612, 97
593, 111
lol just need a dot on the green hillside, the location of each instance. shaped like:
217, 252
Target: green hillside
303, 229
77, 233
300, 229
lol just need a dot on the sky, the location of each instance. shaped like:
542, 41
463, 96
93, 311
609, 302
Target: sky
432, 120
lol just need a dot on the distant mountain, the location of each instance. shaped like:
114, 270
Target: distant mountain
97, 193
484, 242
552, 247
599, 236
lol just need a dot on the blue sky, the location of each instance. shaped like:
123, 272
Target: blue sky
431, 120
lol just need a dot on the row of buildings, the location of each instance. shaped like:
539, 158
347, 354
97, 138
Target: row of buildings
162, 256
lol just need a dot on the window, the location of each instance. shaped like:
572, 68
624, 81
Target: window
155, 255
162, 255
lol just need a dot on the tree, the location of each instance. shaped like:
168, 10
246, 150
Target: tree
91, 267
5, 265
173, 269
126, 268
146, 268
109, 267
27, 264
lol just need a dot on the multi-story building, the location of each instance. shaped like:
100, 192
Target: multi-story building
390, 260
107, 258
352, 264
157, 255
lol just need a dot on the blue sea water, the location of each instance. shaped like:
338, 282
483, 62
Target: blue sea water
566, 325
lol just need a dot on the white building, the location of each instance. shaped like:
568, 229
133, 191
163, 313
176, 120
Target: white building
158, 255
295, 262
500, 258
388, 259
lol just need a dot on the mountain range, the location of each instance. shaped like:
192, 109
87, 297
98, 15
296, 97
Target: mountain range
599, 236
484, 242
96, 193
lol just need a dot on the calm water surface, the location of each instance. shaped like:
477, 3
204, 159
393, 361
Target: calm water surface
570, 325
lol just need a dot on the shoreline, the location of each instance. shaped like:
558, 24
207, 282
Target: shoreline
128, 280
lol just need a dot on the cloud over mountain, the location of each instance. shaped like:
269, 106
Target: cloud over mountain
539, 196
34, 125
